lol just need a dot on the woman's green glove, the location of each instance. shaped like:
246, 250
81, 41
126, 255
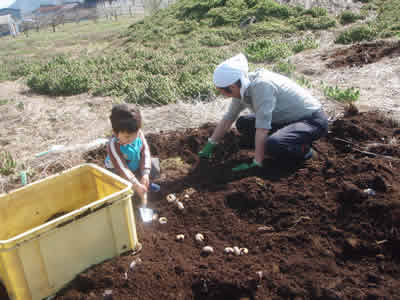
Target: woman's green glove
245, 166
207, 150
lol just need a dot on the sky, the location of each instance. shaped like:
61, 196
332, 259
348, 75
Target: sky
6, 3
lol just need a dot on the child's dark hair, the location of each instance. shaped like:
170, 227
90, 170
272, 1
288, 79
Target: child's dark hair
229, 90
125, 119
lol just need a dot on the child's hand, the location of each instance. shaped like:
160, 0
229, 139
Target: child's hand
140, 189
145, 180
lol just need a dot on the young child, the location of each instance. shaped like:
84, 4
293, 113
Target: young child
128, 151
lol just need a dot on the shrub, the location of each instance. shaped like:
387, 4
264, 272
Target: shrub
230, 13
347, 17
301, 45
308, 22
158, 65
267, 50
356, 34
194, 85
190, 9
187, 26
315, 12
60, 76
159, 90
268, 8
213, 40
229, 33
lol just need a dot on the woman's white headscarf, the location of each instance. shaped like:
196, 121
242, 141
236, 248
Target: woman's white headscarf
230, 71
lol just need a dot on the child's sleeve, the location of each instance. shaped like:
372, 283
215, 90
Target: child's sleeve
145, 156
119, 163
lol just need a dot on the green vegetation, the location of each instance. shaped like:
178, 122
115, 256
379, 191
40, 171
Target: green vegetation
386, 24
171, 55
3, 101
272, 50
284, 68
347, 17
346, 95
267, 50
303, 81
161, 58
304, 44
357, 34
7, 163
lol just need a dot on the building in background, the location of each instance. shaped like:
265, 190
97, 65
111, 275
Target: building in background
15, 13
8, 26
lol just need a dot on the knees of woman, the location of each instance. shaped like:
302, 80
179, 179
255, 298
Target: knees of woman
277, 148
273, 146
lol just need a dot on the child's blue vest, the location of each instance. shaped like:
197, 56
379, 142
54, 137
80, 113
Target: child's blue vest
131, 153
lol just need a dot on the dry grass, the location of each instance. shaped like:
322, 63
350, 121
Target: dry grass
32, 124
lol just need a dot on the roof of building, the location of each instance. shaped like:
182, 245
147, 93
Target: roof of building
69, 6
9, 8
5, 19
47, 9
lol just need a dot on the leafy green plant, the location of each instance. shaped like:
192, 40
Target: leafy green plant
230, 13
284, 67
308, 22
7, 163
3, 101
268, 8
347, 17
213, 40
347, 95
316, 11
303, 81
357, 34
267, 50
60, 76
304, 44
194, 85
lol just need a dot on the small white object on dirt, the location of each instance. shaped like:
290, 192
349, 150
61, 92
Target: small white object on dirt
186, 196
369, 192
134, 263
180, 237
260, 274
180, 205
155, 217
107, 295
228, 250
199, 237
163, 220
243, 251
171, 198
265, 228
207, 249
236, 250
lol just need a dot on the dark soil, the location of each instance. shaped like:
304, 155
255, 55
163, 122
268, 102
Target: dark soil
362, 54
311, 230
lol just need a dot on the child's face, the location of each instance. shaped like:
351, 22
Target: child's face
126, 137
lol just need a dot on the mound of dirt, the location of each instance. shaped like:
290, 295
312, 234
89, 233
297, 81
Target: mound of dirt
362, 54
313, 230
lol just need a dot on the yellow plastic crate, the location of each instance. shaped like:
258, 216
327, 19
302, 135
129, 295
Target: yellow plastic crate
53, 229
